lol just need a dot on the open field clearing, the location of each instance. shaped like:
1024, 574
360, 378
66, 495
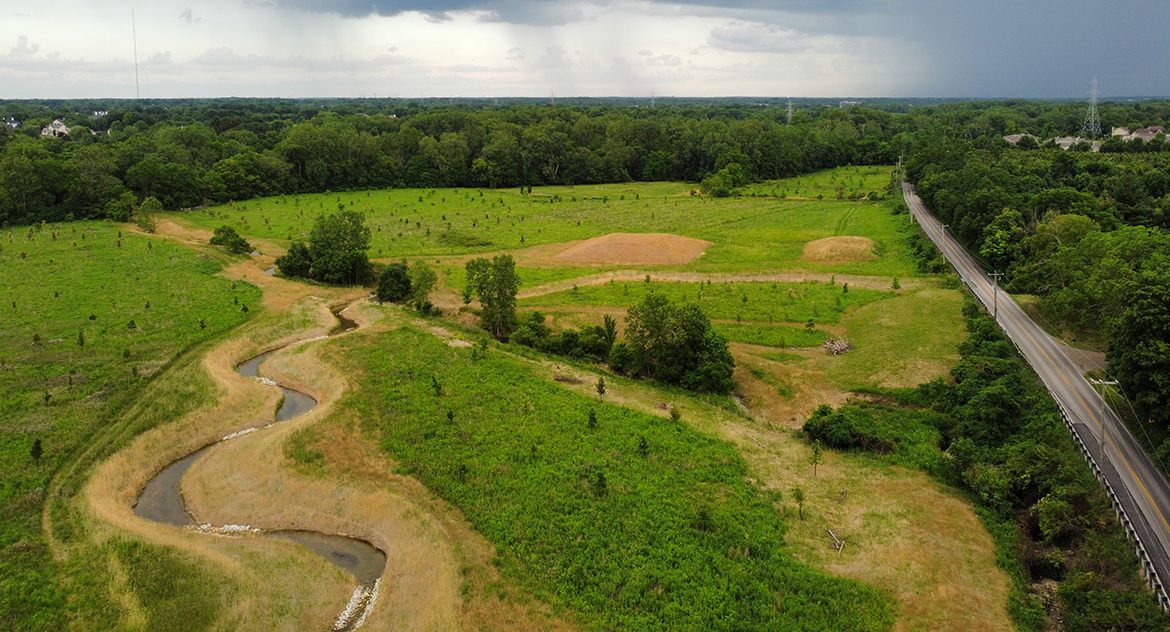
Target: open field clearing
754, 234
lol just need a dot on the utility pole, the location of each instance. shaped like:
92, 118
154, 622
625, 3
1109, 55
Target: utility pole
134, 39
995, 294
1101, 418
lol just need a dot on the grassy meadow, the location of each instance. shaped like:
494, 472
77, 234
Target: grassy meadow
637, 523
765, 230
89, 313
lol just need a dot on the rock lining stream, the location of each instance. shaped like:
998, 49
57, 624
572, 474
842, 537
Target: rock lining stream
162, 501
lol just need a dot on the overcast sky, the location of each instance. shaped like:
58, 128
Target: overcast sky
413, 48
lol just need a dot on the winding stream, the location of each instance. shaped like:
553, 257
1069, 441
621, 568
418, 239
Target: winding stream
161, 501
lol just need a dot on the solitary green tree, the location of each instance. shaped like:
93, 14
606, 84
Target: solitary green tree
422, 281
495, 284
798, 496
338, 245
600, 388
815, 457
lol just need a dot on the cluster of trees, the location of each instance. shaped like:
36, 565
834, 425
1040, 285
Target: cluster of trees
591, 341
336, 252
675, 344
1006, 445
188, 155
400, 283
664, 341
1086, 232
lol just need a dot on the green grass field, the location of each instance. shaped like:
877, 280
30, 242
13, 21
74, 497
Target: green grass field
71, 361
758, 302
757, 232
672, 538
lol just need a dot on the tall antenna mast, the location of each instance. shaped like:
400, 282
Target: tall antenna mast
653, 100
134, 37
1092, 126
790, 111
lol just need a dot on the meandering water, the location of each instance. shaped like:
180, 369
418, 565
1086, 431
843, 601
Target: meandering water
161, 500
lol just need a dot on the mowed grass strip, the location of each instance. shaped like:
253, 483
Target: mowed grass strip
87, 315
756, 302
747, 233
665, 534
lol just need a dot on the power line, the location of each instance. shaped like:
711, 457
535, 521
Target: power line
1092, 126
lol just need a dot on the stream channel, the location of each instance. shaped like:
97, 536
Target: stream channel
162, 501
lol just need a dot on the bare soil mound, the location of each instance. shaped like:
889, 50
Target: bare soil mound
634, 249
840, 250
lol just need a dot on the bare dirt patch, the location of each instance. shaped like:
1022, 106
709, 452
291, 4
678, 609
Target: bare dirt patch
843, 249
633, 249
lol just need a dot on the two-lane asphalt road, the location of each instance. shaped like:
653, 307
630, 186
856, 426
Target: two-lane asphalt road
1140, 488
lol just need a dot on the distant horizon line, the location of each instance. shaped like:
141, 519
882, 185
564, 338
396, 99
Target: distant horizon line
1113, 99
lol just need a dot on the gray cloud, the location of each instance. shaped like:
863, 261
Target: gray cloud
189, 17
757, 38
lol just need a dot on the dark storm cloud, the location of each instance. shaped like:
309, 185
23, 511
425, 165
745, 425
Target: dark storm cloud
962, 48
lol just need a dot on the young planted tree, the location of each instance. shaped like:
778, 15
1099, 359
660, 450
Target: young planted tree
495, 284
600, 387
798, 497
815, 457
422, 281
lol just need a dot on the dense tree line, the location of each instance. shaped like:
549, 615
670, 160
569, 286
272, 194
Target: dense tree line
214, 152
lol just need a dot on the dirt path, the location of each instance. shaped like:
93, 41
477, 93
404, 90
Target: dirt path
430, 554
792, 276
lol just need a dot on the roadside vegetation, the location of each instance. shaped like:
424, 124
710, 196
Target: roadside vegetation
993, 432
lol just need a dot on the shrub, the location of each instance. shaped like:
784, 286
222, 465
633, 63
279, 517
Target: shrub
298, 262
230, 240
394, 283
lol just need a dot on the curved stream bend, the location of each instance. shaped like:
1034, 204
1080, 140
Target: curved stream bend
161, 500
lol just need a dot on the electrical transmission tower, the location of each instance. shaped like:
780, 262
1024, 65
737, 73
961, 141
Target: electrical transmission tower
790, 111
1092, 126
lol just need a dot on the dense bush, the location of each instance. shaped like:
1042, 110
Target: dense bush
591, 341
230, 240
394, 283
336, 252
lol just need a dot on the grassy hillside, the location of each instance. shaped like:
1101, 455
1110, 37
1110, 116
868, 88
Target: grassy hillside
637, 523
88, 314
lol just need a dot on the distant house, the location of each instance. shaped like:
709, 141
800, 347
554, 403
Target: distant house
1016, 138
1067, 142
56, 129
848, 104
11, 122
99, 113
1147, 133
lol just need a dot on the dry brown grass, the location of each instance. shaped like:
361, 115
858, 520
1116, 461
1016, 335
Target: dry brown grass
903, 532
439, 574
843, 249
633, 249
